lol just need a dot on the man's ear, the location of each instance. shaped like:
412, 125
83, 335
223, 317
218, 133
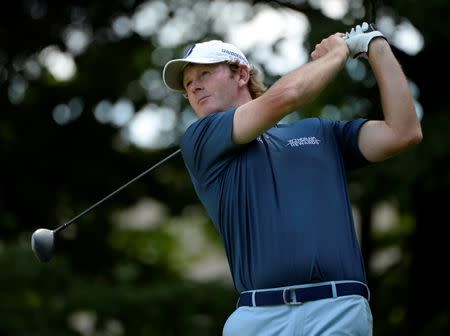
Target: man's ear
244, 75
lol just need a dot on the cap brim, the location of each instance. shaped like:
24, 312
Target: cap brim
173, 74
173, 71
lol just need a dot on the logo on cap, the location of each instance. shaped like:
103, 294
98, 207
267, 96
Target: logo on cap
189, 51
234, 54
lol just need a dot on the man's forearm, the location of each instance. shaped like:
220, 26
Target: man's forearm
304, 84
400, 129
396, 98
293, 90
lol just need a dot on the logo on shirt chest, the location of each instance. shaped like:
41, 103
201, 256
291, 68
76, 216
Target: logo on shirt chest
278, 144
304, 141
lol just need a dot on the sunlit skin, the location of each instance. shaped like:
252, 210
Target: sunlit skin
214, 88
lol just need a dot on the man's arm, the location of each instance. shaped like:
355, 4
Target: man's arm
400, 129
293, 90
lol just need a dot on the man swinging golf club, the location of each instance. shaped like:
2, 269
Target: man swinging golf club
277, 194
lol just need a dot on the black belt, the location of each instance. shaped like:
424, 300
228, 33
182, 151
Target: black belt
299, 294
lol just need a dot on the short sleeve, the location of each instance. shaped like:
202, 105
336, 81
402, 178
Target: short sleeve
207, 146
346, 133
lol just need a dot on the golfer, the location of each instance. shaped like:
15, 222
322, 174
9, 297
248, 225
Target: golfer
277, 193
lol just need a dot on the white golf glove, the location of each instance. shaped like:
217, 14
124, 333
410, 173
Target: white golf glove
359, 37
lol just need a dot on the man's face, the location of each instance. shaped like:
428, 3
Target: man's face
210, 87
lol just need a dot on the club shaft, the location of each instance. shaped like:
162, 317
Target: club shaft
63, 226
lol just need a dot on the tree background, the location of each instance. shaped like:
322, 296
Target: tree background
147, 261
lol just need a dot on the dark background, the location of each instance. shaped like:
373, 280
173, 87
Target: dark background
106, 279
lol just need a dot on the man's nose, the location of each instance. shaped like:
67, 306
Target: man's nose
196, 85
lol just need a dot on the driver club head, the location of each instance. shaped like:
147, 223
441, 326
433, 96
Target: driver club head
42, 243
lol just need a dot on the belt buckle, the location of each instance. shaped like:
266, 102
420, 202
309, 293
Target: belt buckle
290, 303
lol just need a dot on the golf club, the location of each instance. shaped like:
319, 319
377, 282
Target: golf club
43, 240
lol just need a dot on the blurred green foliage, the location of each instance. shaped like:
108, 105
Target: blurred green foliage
119, 281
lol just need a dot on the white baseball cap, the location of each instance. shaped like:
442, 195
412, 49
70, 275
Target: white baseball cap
210, 52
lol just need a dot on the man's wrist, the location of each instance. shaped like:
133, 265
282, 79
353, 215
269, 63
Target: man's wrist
377, 45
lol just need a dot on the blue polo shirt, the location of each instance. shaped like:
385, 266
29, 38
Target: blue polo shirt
280, 203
